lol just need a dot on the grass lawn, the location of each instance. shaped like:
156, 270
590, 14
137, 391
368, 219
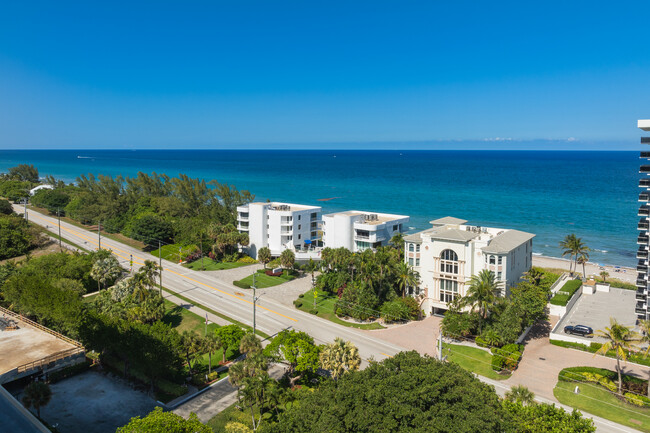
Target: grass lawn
231, 414
325, 306
185, 320
263, 281
475, 360
211, 265
170, 252
598, 401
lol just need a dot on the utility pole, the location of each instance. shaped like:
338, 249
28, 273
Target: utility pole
25, 202
58, 214
160, 265
439, 344
201, 244
99, 235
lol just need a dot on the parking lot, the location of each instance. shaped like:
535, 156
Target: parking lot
596, 310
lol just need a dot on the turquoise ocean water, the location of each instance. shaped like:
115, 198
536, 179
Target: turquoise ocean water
549, 193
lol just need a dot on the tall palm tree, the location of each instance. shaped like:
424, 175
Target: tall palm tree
644, 325
212, 344
105, 270
620, 339
604, 274
287, 259
339, 357
568, 247
582, 260
482, 292
37, 394
406, 277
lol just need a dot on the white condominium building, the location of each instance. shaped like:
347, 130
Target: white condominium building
358, 231
447, 255
278, 226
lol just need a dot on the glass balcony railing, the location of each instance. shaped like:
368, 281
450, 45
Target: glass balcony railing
644, 169
644, 211
642, 239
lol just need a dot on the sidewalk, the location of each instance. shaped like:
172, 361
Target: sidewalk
196, 310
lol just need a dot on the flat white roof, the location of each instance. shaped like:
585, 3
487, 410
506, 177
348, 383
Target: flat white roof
381, 217
644, 124
292, 206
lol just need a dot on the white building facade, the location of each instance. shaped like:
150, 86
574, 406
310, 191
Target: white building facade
279, 226
358, 230
447, 255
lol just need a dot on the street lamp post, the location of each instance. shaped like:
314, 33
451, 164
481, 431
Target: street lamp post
160, 265
255, 298
58, 214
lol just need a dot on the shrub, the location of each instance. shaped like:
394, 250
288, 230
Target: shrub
313, 311
569, 344
297, 303
302, 295
55, 376
498, 362
241, 284
394, 311
246, 259
480, 342
607, 383
339, 312
636, 399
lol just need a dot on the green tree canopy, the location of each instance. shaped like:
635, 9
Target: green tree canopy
24, 172
150, 229
298, 350
15, 237
164, 422
406, 393
545, 418
5, 207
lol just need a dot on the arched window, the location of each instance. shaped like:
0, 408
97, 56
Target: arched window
449, 262
492, 260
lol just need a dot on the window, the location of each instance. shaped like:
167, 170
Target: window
499, 275
417, 262
449, 262
448, 290
411, 261
299, 225
299, 239
410, 247
499, 260
417, 248
299, 217
492, 261
395, 227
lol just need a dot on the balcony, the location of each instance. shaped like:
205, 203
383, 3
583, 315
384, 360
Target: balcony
242, 228
642, 254
286, 221
644, 196
644, 155
641, 307
641, 283
644, 169
643, 225
642, 239
645, 140
244, 216
644, 211
642, 267
644, 183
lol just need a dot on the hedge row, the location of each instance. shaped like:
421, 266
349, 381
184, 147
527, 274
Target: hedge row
636, 357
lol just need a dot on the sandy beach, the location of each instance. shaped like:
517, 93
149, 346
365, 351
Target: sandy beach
622, 273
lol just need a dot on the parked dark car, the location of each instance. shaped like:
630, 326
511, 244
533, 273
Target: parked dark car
579, 330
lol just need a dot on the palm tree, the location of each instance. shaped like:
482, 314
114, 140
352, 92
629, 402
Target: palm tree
192, 345
37, 394
534, 276
582, 260
339, 357
212, 343
620, 339
250, 344
581, 252
481, 294
397, 241
568, 247
520, 394
264, 255
406, 277
105, 270
604, 274
644, 325
287, 259
148, 273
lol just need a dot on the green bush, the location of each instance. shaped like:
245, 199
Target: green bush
313, 311
570, 345
241, 285
297, 303
636, 399
302, 295
498, 362
480, 342
395, 311
595, 347
560, 299
55, 376
339, 312
246, 259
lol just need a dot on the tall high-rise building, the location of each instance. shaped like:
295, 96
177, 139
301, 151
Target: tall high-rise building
642, 282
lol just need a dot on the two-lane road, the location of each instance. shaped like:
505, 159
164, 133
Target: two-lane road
236, 303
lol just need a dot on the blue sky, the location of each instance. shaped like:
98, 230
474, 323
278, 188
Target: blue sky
307, 74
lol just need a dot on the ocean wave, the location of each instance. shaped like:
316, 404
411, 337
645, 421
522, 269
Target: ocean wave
601, 251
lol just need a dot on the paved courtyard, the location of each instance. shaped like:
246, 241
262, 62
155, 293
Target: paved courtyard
595, 311
94, 402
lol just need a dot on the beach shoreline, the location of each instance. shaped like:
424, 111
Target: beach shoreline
623, 273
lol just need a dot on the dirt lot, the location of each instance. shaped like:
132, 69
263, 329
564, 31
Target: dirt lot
94, 402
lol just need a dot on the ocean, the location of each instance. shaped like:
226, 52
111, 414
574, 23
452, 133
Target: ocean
549, 193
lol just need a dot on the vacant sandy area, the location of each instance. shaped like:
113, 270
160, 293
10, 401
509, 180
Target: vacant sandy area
622, 273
